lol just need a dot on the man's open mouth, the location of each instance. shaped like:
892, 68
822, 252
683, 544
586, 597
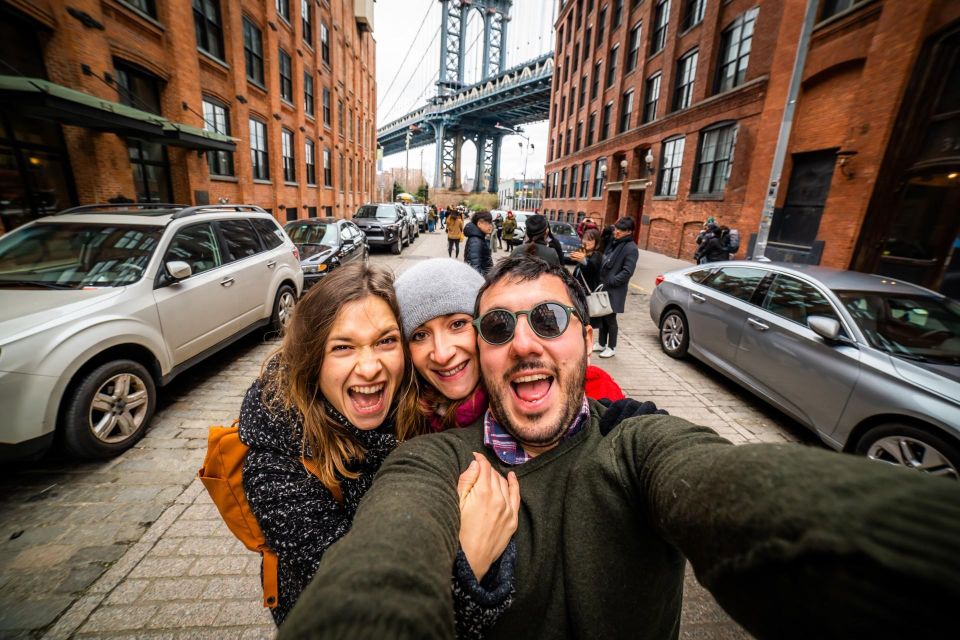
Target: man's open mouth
532, 389
453, 372
367, 399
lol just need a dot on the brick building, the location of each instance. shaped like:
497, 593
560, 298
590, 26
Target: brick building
669, 111
267, 102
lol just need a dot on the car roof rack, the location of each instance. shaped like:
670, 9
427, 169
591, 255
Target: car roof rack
181, 210
213, 208
86, 208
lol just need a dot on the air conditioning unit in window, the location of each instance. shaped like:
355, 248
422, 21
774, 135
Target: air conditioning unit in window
363, 10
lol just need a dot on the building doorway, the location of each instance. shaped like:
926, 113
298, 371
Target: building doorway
795, 225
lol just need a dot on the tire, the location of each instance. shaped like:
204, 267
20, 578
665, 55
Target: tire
674, 333
911, 447
405, 243
397, 247
283, 304
109, 410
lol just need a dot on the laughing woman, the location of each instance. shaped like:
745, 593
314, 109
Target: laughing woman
320, 420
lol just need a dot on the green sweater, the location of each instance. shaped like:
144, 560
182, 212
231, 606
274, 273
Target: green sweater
793, 541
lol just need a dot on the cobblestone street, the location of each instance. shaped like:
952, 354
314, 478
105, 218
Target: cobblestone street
133, 547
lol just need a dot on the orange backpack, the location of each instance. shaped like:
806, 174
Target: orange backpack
222, 475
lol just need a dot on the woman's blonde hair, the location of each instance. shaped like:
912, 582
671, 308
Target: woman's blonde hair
292, 381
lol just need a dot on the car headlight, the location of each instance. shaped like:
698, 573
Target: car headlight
310, 268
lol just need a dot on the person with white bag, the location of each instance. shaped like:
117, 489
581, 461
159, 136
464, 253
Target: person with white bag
589, 259
619, 262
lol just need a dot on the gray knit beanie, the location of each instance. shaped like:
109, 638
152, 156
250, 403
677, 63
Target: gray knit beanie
435, 287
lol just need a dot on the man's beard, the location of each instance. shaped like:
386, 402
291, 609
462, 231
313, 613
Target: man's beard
571, 388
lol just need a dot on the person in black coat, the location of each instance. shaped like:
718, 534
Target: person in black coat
714, 247
477, 252
619, 262
589, 259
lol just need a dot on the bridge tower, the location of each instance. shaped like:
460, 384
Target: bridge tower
450, 134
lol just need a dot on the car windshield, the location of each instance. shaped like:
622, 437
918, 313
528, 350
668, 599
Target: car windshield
916, 327
563, 230
75, 255
303, 233
383, 212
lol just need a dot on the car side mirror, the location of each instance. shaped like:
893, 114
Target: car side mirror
826, 328
179, 270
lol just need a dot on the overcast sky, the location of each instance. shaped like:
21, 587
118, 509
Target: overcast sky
408, 61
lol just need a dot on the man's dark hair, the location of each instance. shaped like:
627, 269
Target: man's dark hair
526, 268
481, 216
625, 224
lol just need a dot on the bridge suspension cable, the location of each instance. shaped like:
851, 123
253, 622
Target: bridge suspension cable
384, 95
416, 68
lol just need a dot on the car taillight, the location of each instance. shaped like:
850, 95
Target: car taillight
296, 254
657, 280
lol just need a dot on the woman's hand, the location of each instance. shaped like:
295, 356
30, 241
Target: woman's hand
489, 513
578, 256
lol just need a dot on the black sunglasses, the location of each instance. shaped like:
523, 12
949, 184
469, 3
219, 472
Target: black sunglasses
548, 320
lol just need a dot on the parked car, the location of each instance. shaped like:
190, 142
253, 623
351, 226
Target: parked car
869, 363
105, 303
385, 225
325, 244
420, 212
411, 220
567, 236
521, 218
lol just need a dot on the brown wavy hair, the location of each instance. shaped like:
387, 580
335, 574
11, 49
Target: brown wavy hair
291, 375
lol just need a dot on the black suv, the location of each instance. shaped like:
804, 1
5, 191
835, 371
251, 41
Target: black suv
385, 225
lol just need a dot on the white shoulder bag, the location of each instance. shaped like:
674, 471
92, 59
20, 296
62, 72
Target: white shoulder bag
598, 300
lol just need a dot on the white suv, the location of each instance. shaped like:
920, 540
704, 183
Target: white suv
104, 303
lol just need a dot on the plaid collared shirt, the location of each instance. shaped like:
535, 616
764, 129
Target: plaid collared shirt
509, 450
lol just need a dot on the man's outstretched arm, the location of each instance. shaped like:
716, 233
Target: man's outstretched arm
389, 577
796, 541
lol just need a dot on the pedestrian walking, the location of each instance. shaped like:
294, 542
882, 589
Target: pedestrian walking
713, 247
476, 251
509, 229
589, 259
498, 225
536, 245
454, 234
443, 218
431, 220
619, 262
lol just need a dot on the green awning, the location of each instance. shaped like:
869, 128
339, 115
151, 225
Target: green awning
45, 99
183, 135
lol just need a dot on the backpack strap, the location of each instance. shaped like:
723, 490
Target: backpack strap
271, 577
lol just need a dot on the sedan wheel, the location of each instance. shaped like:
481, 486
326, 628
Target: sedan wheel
914, 448
282, 309
109, 410
674, 334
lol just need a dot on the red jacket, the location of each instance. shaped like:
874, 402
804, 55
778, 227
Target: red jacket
601, 384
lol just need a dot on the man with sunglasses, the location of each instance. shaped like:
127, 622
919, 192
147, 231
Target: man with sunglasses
794, 541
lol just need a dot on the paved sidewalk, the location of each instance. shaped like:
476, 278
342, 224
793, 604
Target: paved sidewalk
185, 576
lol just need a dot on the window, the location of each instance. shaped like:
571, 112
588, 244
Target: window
686, 73
270, 233
260, 160
206, 22
146, 6
605, 120
795, 300
578, 136
310, 160
283, 9
216, 118
595, 88
343, 175
327, 168
671, 156
325, 43
833, 7
151, 170
583, 92
253, 51
734, 56
661, 16
571, 104
572, 193
612, 65
326, 107
566, 67
292, 214
626, 110
289, 161
286, 77
563, 106
308, 92
563, 183
692, 13
739, 282
714, 159
306, 20
559, 144
350, 123
566, 148
587, 39
617, 13
591, 128
328, 212
600, 178
340, 117
576, 55
585, 180
634, 54
241, 239
196, 245
651, 98
601, 24
137, 88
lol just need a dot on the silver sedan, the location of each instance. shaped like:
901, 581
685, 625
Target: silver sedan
871, 364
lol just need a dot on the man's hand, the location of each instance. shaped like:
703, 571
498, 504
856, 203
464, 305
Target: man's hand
620, 410
489, 513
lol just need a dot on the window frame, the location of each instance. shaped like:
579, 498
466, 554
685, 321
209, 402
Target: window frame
285, 75
309, 102
633, 42
670, 174
650, 105
730, 128
253, 60
310, 161
661, 26
626, 110
288, 155
740, 61
686, 76
217, 160
208, 29
259, 157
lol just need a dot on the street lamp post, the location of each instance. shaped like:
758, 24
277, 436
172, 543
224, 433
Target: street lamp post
526, 156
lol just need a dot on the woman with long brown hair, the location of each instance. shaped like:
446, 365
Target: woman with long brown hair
326, 411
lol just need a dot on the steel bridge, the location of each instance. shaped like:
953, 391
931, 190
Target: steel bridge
484, 112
